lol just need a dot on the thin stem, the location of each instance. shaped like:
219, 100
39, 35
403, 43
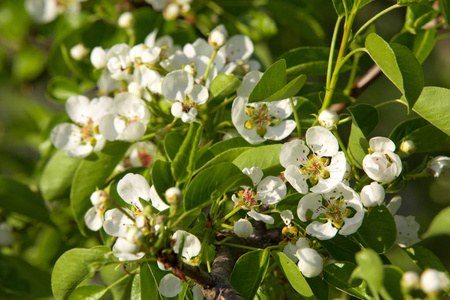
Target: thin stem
208, 68
237, 246
297, 120
352, 76
387, 102
148, 136
118, 281
224, 103
367, 24
342, 121
333, 45
229, 215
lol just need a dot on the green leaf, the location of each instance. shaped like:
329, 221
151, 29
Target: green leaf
148, 283
74, 266
256, 25
364, 121
273, 84
370, 268
424, 43
91, 292
338, 274
430, 105
340, 8
61, 88
378, 229
307, 60
429, 139
400, 258
162, 177
418, 15
399, 64
444, 6
224, 85
28, 63
92, 173
249, 271
265, 157
16, 196
293, 275
121, 283
57, 176
184, 162
341, 248
226, 156
213, 182
440, 225
409, 2
425, 259
392, 278
172, 143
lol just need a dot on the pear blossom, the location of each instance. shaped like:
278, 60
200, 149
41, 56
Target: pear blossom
128, 120
157, 202
257, 122
94, 217
141, 54
394, 204
328, 119
125, 20
98, 57
437, 164
407, 231
433, 281
80, 139
372, 195
269, 191
178, 87
407, 148
382, 164
191, 245
141, 154
243, 228
218, 37
410, 279
310, 263
319, 162
42, 11
173, 195
78, 52
165, 43
117, 223
118, 61
340, 209
128, 245
237, 51
132, 188
170, 286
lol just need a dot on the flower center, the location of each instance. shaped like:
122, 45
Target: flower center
187, 104
144, 157
248, 198
259, 118
336, 211
88, 132
314, 167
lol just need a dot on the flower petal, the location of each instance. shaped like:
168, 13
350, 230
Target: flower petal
296, 179
293, 153
310, 262
177, 84
280, 131
93, 219
116, 223
271, 190
260, 217
254, 173
170, 286
133, 187
336, 169
156, 200
191, 246
381, 144
248, 83
312, 202
322, 141
322, 231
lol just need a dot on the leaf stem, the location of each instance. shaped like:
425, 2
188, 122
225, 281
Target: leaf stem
208, 68
237, 246
229, 215
333, 45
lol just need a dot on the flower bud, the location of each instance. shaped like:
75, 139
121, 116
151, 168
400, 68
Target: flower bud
432, 281
243, 228
99, 199
328, 119
98, 57
171, 12
372, 195
410, 279
173, 195
310, 262
126, 19
218, 37
407, 148
78, 52
436, 166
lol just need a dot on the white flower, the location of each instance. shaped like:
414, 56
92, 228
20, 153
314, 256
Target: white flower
171, 11
173, 195
117, 223
98, 57
340, 209
142, 154
170, 286
81, 139
118, 61
310, 262
78, 52
178, 86
287, 216
94, 217
156, 200
197, 292
141, 54
129, 245
436, 165
324, 168
382, 164
129, 120
407, 148
432, 281
372, 195
257, 122
243, 228
125, 20
191, 245
218, 37
236, 51
328, 119
42, 11
410, 279
132, 188
407, 231
106, 84
269, 191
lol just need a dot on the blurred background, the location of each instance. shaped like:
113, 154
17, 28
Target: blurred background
37, 74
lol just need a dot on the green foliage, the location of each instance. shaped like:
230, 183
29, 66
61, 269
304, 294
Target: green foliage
440, 224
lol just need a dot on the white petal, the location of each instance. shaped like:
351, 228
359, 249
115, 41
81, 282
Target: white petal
65, 136
80, 151
312, 202
381, 144
394, 204
123, 245
77, 108
287, 216
310, 262
191, 246
372, 195
290, 250
156, 200
407, 231
42, 11
199, 94
321, 231
280, 131
123, 256
239, 117
293, 153
107, 128
248, 83
133, 131
261, 217
296, 179
322, 141
239, 47
116, 223
197, 292
254, 173
133, 187
280, 109
93, 219
170, 286
336, 169
243, 228
271, 190
177, 84
302, 243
